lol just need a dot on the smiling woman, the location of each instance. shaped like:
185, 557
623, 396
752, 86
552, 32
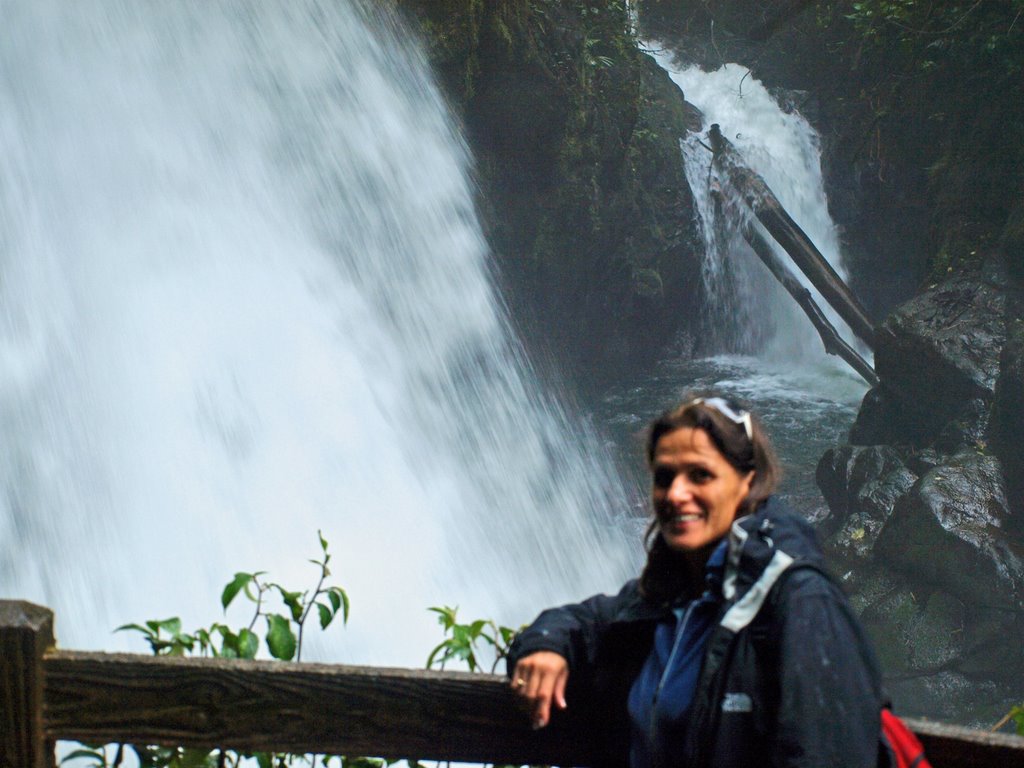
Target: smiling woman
734, 647
719, 455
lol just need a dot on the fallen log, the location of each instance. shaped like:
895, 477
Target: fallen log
834, 343
787, 233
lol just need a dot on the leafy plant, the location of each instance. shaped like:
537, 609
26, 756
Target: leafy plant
461, 641
284, 634
284, 630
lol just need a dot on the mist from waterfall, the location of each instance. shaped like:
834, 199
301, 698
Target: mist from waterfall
244, 296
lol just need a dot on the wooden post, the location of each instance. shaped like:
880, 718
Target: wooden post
26, 633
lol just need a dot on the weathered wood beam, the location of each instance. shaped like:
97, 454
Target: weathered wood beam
953, 746
26, 632
251, 706
780, 225
393, 713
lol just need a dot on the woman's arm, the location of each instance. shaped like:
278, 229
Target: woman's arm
559, 640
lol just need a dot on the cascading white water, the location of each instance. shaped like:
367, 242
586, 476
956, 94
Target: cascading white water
243, 296
785, 150
766, 352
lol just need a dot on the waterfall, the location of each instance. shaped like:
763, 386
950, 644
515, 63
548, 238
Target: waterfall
243, 297
745, 303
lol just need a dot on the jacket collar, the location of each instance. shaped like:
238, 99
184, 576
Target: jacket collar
755, 539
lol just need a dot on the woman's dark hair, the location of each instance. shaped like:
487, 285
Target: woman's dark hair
664, 578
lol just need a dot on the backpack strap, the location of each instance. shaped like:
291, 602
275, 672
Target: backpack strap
906, 750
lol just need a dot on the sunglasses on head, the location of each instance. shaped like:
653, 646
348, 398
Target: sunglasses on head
737, 416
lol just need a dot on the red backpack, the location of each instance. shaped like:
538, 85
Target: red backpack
903, 747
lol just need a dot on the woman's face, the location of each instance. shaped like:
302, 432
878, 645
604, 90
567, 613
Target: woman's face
696, 492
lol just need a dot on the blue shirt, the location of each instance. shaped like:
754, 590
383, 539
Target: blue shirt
661, 694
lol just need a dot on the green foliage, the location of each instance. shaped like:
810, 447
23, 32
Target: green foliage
937, 30
284, 632
941, 89
284, 629
462, 641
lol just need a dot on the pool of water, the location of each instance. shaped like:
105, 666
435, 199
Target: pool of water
806, 411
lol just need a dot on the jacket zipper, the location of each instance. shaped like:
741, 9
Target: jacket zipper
680, 631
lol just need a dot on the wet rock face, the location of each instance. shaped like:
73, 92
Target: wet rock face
1007, 423
956, 329
932, 574
860, 486
939, 358
575, 137
947, 531
916, 632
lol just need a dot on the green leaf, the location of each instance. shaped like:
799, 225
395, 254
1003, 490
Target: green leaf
334, 598
326, 614
344, 603
364, 762
293, 600
181, 643
280, 639
171, 626
233, 587
323, 541
432, 658
159, 646
196, 758
445, 615
205, 641
1017, 713
477, 627
248, 644
137, 627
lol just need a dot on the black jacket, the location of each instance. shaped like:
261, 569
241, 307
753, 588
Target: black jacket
788, 677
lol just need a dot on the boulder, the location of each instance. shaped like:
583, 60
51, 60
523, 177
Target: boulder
948, 532
938, 352
860, 486
1008, 421
941, 656
967, 429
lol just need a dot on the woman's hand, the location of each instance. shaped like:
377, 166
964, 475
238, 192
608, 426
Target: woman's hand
539, 680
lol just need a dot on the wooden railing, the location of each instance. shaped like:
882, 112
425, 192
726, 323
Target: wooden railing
48, 695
